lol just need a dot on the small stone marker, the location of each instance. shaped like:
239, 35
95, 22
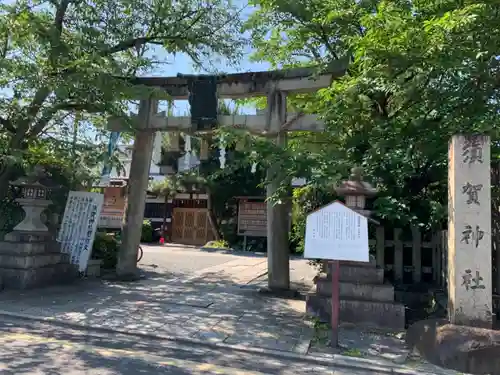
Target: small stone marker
336, 232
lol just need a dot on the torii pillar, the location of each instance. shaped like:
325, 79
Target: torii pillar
278, 252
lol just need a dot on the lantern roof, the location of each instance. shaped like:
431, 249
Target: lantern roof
355, 186
35, 178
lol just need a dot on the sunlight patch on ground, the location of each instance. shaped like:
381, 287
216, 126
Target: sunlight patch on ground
25, 340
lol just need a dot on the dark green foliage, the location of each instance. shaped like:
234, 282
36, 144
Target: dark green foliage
10, 215
225, 185
147, 232
420, 72
77, 59
105, 248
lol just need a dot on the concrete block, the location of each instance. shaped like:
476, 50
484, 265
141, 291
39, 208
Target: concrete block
94, 268
347, 263
362, 275
20, 248
372, 263
29, 261
366, 292
374, 313
22, 237
14, 278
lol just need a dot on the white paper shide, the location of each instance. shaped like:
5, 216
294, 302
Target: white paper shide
335, 232
79, 226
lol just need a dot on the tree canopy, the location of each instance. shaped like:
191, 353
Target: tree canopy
61, 57
420, 71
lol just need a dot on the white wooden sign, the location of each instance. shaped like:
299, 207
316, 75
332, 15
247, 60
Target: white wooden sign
79, 226
336, 232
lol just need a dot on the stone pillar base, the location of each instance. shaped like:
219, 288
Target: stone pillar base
94, 268
31, 259
13, 278
364, 298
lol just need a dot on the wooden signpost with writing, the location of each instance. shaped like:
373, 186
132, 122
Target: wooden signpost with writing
252, 218
275, 123
114, 207
335, 232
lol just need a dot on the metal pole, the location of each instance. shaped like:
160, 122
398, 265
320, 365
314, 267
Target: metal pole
335, 303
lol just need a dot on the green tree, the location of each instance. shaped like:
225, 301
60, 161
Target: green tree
62, 56
166, 188
420, 71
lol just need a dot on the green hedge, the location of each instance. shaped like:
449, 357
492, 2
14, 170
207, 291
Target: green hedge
105, 248
147, 232
107, 245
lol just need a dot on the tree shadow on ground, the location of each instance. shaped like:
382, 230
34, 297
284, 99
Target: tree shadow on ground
74, 357
58, 350
211, 308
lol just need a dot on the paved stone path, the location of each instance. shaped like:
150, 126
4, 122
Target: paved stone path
218, 304
211, 306
35, 349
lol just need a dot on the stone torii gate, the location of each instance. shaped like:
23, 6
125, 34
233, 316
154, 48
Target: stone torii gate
275, 85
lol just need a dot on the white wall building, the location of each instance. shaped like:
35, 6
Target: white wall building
155, 171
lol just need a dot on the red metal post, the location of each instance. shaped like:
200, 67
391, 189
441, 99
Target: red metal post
335, 266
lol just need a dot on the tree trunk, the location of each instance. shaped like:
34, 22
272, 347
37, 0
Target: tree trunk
5, 173
15, 145
164, 225
213, 224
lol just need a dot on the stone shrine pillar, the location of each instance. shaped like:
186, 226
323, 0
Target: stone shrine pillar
469, 231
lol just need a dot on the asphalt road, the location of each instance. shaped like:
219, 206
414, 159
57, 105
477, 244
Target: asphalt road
177, 260
181, 260
30, 348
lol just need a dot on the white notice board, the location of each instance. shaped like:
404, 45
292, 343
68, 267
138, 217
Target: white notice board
79, 226
336, 232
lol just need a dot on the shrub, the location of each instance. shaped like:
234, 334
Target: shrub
218, 244
105, 248
147, 232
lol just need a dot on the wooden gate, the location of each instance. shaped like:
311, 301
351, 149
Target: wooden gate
191, 226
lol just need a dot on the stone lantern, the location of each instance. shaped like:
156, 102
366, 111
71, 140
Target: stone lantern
356, 191
29, 255
33, 197
364, 297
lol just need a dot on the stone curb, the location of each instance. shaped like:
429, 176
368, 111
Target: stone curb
333, 360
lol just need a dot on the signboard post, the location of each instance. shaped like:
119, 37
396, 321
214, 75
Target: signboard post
335, 270
334, 233
252, 219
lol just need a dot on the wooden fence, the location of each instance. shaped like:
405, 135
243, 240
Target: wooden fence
410, 256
